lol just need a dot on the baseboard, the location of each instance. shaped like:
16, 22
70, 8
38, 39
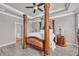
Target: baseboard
72, 44
7, 44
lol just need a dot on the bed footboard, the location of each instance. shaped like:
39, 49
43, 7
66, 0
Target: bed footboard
35, 41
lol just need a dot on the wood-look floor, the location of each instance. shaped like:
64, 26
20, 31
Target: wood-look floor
16, 50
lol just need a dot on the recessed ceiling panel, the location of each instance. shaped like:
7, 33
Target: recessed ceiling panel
29, 11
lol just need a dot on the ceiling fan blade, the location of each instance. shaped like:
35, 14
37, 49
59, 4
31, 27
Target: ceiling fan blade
34, 11
40, 4
40, 9
29, 7
33, 3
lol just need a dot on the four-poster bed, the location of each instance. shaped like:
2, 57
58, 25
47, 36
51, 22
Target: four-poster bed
42, 43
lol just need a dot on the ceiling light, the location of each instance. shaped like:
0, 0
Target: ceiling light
35, 7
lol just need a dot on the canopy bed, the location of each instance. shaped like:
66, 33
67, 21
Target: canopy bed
41, 42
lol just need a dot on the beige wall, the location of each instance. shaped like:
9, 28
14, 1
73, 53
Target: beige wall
67, 25
7, 29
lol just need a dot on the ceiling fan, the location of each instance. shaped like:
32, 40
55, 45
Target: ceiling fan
36, 7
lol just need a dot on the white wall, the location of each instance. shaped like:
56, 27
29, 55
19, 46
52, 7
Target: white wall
78, 20
36, 26
67, 24
7, 29
32, 26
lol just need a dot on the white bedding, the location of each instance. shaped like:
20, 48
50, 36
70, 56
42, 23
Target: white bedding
41, 35
36, 34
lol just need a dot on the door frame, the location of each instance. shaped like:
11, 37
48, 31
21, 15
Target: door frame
16, 29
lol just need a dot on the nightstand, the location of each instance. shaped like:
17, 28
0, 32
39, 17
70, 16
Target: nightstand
61, 41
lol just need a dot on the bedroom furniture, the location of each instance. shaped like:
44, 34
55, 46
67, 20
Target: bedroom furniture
40, 25
44, 44
78, 41
24, 31
53, 25
78, 37
61, 40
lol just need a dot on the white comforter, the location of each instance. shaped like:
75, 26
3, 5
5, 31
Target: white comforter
41, 35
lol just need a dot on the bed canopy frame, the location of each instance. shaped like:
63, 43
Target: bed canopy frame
44, 45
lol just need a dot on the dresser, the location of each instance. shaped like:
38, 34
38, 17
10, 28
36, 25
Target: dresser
61, 40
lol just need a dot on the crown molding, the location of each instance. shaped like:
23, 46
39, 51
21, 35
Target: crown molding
14, 10
8, 14
30, 17
34, 21
11, 8
2, 9
62, 15
58, 16
54, 17
54, 11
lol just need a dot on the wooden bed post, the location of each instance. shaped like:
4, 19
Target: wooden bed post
46, 30
53, 24
78, 41
24, 31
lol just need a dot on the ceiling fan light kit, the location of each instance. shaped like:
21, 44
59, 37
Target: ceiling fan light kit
35, 7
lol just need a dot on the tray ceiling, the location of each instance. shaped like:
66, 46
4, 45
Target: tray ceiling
29, 11
18, 9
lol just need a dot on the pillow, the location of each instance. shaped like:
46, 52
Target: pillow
50, 30
42, 31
